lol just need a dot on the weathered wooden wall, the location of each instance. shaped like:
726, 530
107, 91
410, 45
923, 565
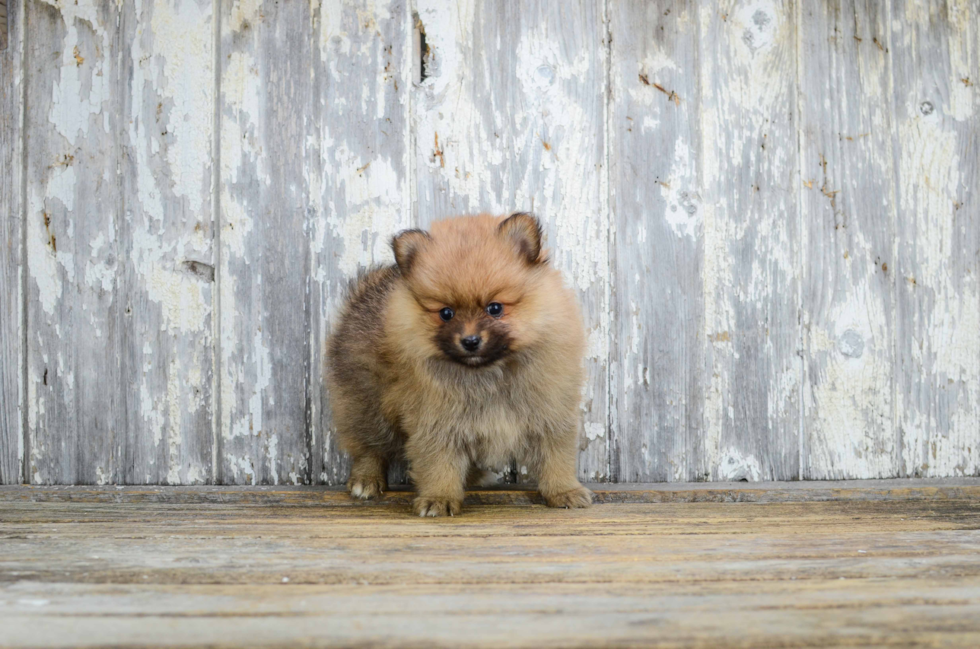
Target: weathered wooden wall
768, 208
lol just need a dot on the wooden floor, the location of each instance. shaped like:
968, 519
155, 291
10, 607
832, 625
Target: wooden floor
889, 563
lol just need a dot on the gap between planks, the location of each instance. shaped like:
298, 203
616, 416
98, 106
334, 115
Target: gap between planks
717, 492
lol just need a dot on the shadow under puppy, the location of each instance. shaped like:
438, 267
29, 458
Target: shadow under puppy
464, 354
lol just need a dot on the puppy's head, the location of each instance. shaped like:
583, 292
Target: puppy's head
473, 286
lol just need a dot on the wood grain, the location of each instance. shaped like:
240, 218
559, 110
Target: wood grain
934, 49
751, 268
362, 168
848, 209
165, 277
655, 194
12, 338
510, 117
868, 573
76, 319
266, 103
118, 243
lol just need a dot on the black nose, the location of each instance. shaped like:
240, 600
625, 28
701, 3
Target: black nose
471, 343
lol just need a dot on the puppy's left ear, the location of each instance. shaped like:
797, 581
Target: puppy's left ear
524, 231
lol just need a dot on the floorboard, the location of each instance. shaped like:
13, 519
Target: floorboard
880, 563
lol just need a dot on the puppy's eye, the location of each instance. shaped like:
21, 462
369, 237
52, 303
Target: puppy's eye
496, 309
446, 314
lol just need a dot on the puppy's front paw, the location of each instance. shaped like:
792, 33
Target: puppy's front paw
436, 506
365, 488
571, 499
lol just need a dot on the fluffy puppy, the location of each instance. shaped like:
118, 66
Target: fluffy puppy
463, 355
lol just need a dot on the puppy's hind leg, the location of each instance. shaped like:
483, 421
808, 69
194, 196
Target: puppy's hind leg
368, 476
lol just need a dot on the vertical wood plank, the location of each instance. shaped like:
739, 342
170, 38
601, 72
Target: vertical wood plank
849, 237
752, 239
657, 339
934, 47
165, 277
12, 353
361, 167
119, 242
510, 116
76, 417
266, 102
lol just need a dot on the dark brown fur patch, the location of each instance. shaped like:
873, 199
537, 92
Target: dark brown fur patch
494, 335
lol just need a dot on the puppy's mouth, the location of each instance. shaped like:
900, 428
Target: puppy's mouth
475, 360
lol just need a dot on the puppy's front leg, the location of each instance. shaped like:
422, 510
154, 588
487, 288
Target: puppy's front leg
557, 480
439, 472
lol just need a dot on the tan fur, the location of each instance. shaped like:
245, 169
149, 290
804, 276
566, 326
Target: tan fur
400, 383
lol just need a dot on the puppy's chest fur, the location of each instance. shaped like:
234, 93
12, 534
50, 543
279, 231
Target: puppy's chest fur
489, 413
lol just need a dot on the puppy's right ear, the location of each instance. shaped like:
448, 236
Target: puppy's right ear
407, 245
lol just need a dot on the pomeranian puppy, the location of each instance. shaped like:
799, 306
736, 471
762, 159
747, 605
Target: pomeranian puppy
463, 355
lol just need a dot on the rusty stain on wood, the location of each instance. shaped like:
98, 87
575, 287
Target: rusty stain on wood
671, 95
437, 152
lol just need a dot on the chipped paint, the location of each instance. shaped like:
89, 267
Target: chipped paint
846, 396
185, 78
937, 417
512, 114
79, 93
848, 214
682, 213
594, 431
372, 208
734, 466
45, 267
750, 383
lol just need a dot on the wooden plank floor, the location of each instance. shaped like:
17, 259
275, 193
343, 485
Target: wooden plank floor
883, 563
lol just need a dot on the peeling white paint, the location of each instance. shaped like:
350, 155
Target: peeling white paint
272, 455
249, 423
847, 395
71, 107
44, 262
174, 411
682, 214
594, 431
733, 465
148, 409
242, 470
185, 77
372, 208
